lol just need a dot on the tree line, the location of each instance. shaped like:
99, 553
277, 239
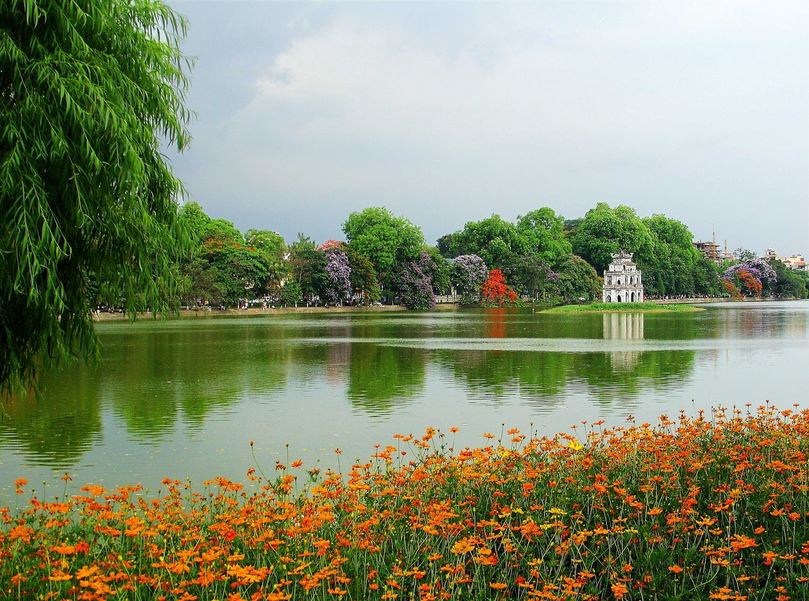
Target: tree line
540, 257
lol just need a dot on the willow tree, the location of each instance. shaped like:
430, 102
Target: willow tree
91, 92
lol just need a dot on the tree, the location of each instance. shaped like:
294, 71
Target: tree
789, 283
493, 239
744, 254
439, 270
363, 276
672, 266
90, 91
496, 291
291, 294
751, 275
578, 280
337, 283
412, 283
533, 276
385, 239
605, 231
307, 265
272, 247
543, 232
467, 275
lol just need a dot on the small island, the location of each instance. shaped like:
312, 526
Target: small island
626, 308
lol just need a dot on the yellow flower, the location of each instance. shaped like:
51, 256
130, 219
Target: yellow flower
575, 445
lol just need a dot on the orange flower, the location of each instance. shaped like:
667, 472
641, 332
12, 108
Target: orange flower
619, 590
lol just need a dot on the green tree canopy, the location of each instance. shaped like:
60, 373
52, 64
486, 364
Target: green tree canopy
385, 239
543, 233
605, 231
674, 258
272, 248
494, 239
90, 90
307, 265
363, 276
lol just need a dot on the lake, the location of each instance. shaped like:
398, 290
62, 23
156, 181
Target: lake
184, 398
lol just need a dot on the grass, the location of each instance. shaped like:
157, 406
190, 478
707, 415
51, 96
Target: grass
710, 506
626, 308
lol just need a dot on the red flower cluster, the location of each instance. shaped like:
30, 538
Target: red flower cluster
496, 291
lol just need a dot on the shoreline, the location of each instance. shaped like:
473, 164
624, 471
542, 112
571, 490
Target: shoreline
209, 313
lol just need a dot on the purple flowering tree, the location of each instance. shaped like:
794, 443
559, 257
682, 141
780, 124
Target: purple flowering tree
758, 268
413, 283
467, 276
337, 285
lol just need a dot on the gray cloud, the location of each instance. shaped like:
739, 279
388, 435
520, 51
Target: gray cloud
448, 112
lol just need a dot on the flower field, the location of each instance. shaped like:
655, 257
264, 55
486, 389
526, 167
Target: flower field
696, 507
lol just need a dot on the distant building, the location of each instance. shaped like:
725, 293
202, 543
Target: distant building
622, 280
793, 262
710, 250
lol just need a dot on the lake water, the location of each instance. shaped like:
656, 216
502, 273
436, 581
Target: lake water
184, 398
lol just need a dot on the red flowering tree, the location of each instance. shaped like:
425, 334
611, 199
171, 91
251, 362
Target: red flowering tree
750, 282
496, 291
731, 289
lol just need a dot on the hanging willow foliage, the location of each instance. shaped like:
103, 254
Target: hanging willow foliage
90, 90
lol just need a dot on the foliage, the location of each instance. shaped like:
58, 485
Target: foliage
412, 283
605, 231
272, 247
440, 270
495, 290
694, 507
543, 232
533, 276
493, 239
731, 289
224, 267
578, 280
202, 284
89, 93
363, 276
672, 267
467, 275
750, 282
307, 266
337, 284
788, 283
744, 254
706, 278
291, 294
761, 269
388, 241
750, 276
241, 271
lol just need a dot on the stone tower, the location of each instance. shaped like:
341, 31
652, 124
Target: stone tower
622, 280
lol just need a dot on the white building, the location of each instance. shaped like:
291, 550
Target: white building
622, 280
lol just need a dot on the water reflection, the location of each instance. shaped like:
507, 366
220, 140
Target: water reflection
160, 383
623, 326
55, 431
380, 376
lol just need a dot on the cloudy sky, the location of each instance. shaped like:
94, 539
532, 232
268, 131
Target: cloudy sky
449, 112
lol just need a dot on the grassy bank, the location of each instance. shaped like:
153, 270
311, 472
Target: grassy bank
710, 507
626, 308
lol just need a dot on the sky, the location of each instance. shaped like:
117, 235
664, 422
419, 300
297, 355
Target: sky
449, 112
